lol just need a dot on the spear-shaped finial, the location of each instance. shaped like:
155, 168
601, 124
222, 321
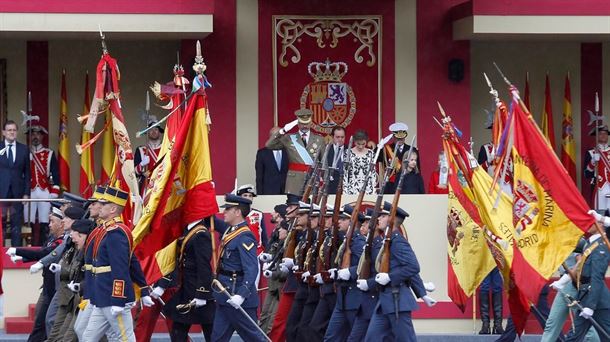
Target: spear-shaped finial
104, 48
502, 74
199, 66
492, 91
440, 108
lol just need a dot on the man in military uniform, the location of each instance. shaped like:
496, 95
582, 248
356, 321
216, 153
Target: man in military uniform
44, 184
392, 316
112, 294
237, 271
146, 157
301, 147
255, 218
56, 231
597, 163
593, 294
193, 303
400, 132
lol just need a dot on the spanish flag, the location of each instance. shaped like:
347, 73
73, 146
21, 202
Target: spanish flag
547, 115
87, 173
64, 143
107, 149
568, 145
181, 190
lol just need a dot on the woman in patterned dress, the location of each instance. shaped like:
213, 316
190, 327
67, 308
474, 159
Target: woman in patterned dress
360, 157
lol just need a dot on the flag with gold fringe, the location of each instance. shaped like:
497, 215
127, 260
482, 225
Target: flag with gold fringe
87, 170
568, 145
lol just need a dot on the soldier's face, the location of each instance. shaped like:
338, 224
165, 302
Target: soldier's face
231, 215
364, 229
94, 209
56, 226
315, 220
602, 137
304, 127
108, 211
291, 211
67, 223
382, 221
248, 195
344, 224
328, 223
36, 138
78, 238
154, 134
301, 220
10, 132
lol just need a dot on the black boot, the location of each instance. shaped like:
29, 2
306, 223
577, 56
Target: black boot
484, 310
496, 298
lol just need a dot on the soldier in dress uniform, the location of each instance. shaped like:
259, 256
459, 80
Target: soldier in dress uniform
237, 271
193, 303
112, 293
392, 315
146, 156
597, 162
301, 147
56, 231
400, 132
593, 294
255, 218
348, 295
44, 184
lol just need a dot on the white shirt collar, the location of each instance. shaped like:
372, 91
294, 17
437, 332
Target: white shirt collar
192, 224
594, 237
6, 143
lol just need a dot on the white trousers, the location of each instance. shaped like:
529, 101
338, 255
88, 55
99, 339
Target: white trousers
41, 210
102, 321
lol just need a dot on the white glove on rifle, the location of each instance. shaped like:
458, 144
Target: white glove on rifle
430, 302
265, 266
344, 274
318, 279
429, 286
288, 262
332, 273
145, 160
11, 251
147, 301
157, 292
55, 267
236, 301
283, 269
36, 267
586, 313
199, 302
74, 287
362, 284
304, 276
287, 127
599, 218
382, 278
116, 310
15, 258
265, 257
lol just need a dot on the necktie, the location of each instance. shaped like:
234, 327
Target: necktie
10, 154
304, 138
278, 159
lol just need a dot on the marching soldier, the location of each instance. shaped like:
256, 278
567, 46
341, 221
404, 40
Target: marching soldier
255, 218
597, 163
44, 184
400, 132
112, 292
301, 147
146, 156
237, 271
193, 303
392, 314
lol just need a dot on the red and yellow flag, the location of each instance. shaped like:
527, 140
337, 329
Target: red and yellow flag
180, 191
568, 145
547, 115
87, 173
64, 143
107, 149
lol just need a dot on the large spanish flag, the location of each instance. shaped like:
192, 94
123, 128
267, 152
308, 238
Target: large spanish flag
181, 190
568, 145
87, 173
107, 149
547, 115
64, 143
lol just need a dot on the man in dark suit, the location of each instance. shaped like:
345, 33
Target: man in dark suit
338, 134
271, 169
15, 175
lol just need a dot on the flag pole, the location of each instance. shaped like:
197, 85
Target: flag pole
474, 312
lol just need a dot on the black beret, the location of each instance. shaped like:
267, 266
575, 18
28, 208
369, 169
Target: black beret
83, 226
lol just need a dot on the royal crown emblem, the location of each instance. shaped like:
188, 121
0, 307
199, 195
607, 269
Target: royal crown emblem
525, 209
332, 101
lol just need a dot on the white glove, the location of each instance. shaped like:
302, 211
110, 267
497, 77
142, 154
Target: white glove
236, 301
199, 302
130, 305
287, 127
157, 292
429, 286
430, 302
265, 266
288, 262
36, 267
595, 157
382, 278
55, 267
145, 160
267, 274
362, 284
116, 310
295, 268
74, 287
53, 195
318, 279
561, 282
593, 213
304, 276
15, 258
265, 257
11, 251
586, 313
344, 274
147, 301
283, 269
332, 273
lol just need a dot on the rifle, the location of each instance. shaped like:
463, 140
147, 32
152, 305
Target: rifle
345, 254
364, 264
329, 247
382, 263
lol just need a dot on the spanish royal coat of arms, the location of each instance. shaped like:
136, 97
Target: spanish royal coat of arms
332, 101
